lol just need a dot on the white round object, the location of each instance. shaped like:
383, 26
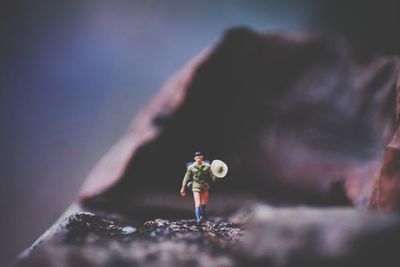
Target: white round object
128, 230
219, 168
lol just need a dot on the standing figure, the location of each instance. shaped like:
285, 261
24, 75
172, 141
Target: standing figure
200, 173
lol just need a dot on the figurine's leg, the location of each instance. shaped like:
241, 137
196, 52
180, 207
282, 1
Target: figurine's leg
203, 201
197, 208
197, 198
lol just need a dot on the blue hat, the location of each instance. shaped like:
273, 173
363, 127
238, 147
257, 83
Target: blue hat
198, 153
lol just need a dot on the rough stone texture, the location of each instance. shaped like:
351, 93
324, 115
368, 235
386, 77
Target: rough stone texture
87, 239
255, 235
297, 118
386, 194
304, 236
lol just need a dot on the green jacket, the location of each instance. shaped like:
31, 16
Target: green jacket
200, 174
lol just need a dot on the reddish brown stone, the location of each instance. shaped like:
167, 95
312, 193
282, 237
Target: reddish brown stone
386, 194
298, 118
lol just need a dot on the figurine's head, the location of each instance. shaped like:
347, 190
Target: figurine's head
198, 157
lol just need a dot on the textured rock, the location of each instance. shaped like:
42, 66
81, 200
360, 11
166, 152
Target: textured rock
255, 235
305, 236
86, 239
386, 194
298, 119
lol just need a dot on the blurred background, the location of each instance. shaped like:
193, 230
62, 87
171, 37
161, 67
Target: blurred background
73, 74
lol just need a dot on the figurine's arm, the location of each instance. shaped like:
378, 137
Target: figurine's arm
213, 177
184, 182
186, 178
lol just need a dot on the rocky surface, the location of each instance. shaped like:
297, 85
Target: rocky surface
304, 236
86, 239
256, 235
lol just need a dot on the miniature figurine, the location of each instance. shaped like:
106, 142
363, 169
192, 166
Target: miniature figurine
200, 172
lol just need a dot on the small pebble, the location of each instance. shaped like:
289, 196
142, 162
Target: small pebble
128, 230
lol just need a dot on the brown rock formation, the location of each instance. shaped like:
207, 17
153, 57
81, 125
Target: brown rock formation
298, 118
386, 194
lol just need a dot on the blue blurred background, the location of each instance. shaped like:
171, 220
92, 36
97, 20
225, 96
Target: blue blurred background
74, 73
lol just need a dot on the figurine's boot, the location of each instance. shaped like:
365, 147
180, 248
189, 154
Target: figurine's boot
203, 210
197, 211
